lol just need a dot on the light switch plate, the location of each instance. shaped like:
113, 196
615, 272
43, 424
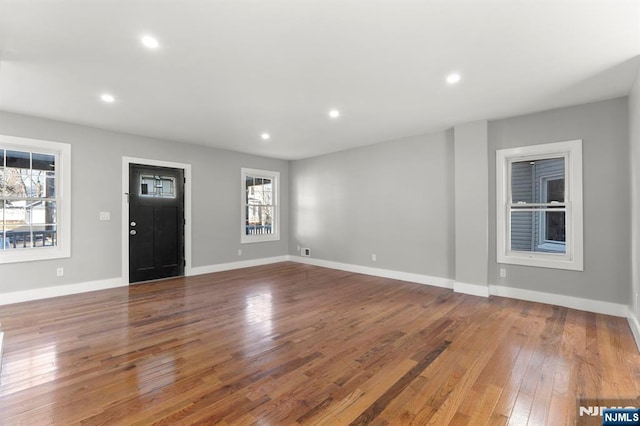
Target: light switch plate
105, 215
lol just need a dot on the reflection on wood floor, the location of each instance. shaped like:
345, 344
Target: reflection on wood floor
290, 343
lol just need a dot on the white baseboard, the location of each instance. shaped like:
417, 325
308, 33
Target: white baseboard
65, 290
200, 270
377, 272
60, 290
635, 326
596, 306
472, 289
589, 305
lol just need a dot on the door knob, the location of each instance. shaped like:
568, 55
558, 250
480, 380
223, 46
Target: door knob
133, 224
133, 232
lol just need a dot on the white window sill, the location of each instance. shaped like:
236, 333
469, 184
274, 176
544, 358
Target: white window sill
541, 260
249, 239
32, 254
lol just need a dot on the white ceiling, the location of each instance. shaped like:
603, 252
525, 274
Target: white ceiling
229, 70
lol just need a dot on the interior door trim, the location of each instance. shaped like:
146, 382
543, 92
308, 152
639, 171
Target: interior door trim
124, 233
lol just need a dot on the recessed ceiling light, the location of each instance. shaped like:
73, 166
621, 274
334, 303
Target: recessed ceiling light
334, 113
265, 136
108, 98
453, 78
150, 42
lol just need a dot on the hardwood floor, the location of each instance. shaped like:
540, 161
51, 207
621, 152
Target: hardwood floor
298, 344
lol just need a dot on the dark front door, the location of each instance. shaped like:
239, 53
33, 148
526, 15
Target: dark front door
156, 222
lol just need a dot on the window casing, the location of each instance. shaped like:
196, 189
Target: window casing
539, 205
35, 207
260, 210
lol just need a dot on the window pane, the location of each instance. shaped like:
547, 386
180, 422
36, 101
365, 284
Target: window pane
44, 235
17, 182
15, 214
248, 185
37, 212
50, 185
17, 225
255, 192
253, 215
267, 191
541, 231
267, 217
43, 212
46, 162
38, 183
530, 181
3, 240
18, 238
259, 195
554, 190
18, 159
253, 199
253, 220
268, 185
1, 174
157, 186
555, 229
522, 235
522, 182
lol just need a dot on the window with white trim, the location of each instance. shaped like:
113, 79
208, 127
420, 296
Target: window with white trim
260, 210
539, 205
34, 199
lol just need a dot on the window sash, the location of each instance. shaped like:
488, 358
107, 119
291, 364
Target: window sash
537, 157
31, 229
567, 255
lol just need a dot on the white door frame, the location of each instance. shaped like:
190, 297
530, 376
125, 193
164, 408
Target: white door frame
126, 161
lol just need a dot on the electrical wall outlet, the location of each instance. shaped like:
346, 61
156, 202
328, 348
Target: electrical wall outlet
503, 272
60, 272
306, 252
374, 257
239, 252
105, 215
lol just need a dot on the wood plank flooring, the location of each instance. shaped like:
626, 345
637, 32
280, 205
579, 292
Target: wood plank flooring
296, 344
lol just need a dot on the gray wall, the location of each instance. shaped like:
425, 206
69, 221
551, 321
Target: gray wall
394, 199
603, 128
96, 186
634, 138
471, 209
